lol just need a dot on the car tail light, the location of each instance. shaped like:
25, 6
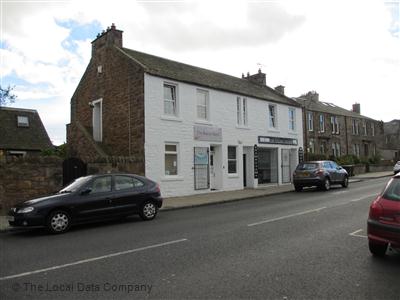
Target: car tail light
375, 210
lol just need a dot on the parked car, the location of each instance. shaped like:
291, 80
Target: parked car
319, 173
90, 198
396, 168
384, 219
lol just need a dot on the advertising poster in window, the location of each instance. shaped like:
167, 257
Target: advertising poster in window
201, 174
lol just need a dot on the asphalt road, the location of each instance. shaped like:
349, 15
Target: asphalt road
308, 245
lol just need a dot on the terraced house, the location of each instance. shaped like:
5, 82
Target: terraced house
192, 130
330, 130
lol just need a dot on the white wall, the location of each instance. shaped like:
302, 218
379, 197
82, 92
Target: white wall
160, 129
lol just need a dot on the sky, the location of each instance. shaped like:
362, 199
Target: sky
346, 50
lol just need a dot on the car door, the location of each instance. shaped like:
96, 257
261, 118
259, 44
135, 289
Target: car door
335, 175
94, 199
129, 193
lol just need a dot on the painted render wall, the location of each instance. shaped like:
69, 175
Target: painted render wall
160, 129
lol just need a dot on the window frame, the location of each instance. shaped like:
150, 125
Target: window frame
310, 121
176, 152
321, 123
174, 101
206, 105
273, 118
21, 123
233, 159
292, 119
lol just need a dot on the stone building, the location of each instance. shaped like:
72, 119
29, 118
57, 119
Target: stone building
330, 130
190, 129
22, 132
391, 145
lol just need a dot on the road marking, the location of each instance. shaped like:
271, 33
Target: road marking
340, 192
365, 197
79, 262
355, 233
288, 216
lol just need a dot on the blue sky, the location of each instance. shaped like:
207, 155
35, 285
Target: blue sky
45, 47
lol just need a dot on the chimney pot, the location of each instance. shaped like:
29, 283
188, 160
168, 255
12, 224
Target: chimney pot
111, 37
280, 89
357, 108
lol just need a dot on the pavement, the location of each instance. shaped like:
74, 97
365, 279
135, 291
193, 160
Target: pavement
308, 245
228, 196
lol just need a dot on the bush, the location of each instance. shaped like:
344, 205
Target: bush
60, 151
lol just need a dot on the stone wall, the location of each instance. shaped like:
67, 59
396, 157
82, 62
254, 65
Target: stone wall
26, 178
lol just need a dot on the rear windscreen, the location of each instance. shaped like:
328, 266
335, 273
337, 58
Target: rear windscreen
392, 191
307, 166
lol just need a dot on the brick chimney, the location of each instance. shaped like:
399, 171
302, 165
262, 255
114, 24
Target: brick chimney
356, 108
280, 89
258, 78
312, 95
109, 37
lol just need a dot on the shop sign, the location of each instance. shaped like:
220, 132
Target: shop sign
207, 133
276, 140
255, 162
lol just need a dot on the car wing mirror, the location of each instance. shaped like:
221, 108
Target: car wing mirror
86, 191
339, 167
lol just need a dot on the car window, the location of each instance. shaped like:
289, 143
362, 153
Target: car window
392, 192
333, 164
327, 165
307, 166
101, 184
127, 182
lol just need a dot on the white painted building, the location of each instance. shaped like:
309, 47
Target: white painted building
200, 139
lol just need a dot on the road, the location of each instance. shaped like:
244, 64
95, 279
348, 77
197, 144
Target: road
308, 245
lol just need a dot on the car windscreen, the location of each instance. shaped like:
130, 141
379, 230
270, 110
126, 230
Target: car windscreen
75, 185
307, 166
392, 191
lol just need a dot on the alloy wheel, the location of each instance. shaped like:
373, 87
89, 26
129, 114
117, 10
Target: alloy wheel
59, 222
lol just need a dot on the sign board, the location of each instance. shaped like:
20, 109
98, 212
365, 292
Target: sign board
276, 140
207, 133
255, 162
301, 155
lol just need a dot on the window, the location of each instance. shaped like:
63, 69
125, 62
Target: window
272, 116
322, 147
170, 100
355, 127
232, 160
171, 159
202, 105
311, 147
126, 182
372, 129
101, 185
241, 111
335, 124
310, 121
97, 120
321, 123
365, 127
292, 119
336, 149
22, 121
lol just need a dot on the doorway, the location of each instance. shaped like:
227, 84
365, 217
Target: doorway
244, 171
212, 169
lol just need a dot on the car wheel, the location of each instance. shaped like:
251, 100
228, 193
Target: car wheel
345, 182
327, 184
298, 188
58, 221
148, 211
377, 249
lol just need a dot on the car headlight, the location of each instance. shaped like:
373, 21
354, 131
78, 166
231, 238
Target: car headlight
25, 210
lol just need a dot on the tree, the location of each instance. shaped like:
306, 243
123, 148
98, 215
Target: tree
7, 96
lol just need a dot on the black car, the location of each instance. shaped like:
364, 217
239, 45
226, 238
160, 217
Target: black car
319, 173
90, 198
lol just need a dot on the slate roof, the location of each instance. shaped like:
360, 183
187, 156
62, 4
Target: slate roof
330, 108
13, 137
174, 70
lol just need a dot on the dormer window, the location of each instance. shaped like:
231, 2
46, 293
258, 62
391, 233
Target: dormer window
22, 121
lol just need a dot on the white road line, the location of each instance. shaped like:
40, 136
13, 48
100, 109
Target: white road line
365, 197
288, 216
340, 192
355, 233
79, 262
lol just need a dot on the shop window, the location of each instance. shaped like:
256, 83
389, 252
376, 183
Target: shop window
232, 160
171, 159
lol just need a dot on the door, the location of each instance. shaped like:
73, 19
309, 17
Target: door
285, 162
96, 201
244, 171
212, 171
129, 194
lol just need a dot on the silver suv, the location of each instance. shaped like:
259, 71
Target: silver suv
319, 173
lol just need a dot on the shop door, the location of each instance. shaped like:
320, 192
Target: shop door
212, 171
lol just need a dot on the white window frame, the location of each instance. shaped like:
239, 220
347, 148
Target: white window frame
177, 152
321, 123
174, 101
310, 121
94, 103
273, 118
231, 159
238, 111
241, 111
206, 106
244, 111
292, 119
22, 121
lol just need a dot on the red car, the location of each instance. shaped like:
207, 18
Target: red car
384, 219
